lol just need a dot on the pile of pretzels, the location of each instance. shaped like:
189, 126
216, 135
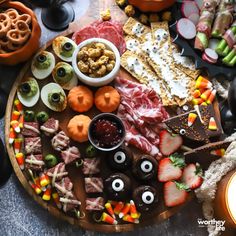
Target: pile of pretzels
14, 30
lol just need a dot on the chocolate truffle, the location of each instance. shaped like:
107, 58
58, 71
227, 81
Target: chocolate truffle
120, 159
145, 168
117, 186
145, 198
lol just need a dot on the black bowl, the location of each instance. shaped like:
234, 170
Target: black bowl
108, 117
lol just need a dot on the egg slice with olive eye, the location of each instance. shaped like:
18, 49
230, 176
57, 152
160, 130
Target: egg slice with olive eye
64, 48
54, 97
28, 92
63, 74
42, 64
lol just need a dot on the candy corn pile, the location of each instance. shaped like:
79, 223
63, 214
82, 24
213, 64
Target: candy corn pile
204, 92
15, 138
120, 210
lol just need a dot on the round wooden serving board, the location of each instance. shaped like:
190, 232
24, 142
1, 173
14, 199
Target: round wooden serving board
157, 215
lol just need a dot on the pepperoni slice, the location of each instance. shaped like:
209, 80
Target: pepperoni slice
85, 33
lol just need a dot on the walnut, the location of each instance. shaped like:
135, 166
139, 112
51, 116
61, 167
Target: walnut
83, 67
129, 10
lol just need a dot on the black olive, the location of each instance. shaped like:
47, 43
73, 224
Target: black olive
41, 58
67, 46
61, 72
25, 88
55, 97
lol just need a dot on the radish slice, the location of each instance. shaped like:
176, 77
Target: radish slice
194, 17
186, 28
188, 8
210, 55
213, 43
199, 3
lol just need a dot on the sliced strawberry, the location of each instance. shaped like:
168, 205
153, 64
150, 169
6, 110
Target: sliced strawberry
175, 193
170, 168
169, 143
192, 176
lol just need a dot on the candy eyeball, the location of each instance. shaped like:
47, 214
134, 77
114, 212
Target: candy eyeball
146, 166
148, 197
130, 44
148, 50
154, 49
119, 157
158, 37
135, 42
136, 61
165, 36
185, 108
182, 131
118, 185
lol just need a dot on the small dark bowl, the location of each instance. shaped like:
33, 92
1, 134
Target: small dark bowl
111, 117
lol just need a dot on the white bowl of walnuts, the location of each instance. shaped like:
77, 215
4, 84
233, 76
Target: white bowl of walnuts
96, 61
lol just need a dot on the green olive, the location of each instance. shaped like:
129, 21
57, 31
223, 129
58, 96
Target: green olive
51, 160
91, 151
42, 116
29, 116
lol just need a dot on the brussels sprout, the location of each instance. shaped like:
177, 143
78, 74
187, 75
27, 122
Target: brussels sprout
42, 116
50, 160
29, 116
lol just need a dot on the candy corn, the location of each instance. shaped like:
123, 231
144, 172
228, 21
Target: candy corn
196, 93
197, 101
119, 206
201, 80
18, 105
20, 160
15, 126
130, 219
56, 199
191, 119
113, 203
205, 95
44, 180
204, 104
218, 152
133, 211
212, 124
109, 209
108, 219
15, 115
36, 188
21, 121
17, 145
12, 136
47, 194
211, 97
125, 210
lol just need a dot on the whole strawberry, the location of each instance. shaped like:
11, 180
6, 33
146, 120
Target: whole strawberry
170, 168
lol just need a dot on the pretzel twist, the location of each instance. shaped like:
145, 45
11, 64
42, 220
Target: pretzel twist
5, 24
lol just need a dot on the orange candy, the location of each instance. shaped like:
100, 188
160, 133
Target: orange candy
108, 219
125, 210
36, 188
130, 219
47, 194
20, 160
12, 136
18, 105
211, 97
21, 121
196, 93
218, 152
15, 126
197, 101
191, 119
15, 115
17, 145
205, 95
133, 211
44, 180
212, 124
119, 206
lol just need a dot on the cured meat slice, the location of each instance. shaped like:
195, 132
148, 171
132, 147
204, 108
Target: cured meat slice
60, 141
93, 185
100, 23
31, 129
34, 162
33, 145
91, 166
50, 127
95, 204
57, 172
85, 33
70, 155
110, 33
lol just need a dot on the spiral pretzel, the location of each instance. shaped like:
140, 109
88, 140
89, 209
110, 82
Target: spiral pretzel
5, 24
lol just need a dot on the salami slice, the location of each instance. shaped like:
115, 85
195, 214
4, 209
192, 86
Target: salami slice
116, 26
122, 47
85, 33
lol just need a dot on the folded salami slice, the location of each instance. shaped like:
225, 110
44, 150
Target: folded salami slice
84, 34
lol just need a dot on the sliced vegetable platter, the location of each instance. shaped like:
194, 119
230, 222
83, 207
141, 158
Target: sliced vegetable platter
205, 42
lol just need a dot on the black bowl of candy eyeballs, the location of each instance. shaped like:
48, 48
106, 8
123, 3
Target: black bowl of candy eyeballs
106, 132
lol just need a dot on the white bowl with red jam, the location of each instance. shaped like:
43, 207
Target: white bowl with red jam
106, 132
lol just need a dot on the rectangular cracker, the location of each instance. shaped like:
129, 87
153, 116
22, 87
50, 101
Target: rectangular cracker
132, 26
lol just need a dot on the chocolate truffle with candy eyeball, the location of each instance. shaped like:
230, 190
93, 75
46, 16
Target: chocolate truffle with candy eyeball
145, 167
117, 186
145, 198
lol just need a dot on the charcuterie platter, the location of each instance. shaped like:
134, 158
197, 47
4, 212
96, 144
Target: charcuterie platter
109, 128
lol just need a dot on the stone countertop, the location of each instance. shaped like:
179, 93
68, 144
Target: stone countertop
20, 215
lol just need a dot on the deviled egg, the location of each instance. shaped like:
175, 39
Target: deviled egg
64, 48
28, 92
42, 64
54, 97
63, 74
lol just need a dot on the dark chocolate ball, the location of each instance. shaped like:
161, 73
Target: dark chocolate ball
120, 159
145, 168
117, 186
145, 198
